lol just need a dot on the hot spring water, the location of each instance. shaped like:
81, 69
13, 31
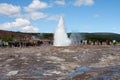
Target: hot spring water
60, 35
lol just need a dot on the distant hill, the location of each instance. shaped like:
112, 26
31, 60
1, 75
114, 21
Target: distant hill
93, 36
101, 36
9, 35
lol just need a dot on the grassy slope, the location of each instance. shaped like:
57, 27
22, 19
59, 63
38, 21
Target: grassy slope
94, 36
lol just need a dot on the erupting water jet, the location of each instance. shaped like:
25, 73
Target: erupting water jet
60, 35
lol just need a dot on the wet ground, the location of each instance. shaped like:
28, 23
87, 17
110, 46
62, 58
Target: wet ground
60, 63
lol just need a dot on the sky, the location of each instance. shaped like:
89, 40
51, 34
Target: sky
43, 15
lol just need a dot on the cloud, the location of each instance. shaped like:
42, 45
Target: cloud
19, 23
60, 2
5, 26
53, 18
84, 2
30, 29
96, 15
36, 15
9, 10
115, 28
36, 5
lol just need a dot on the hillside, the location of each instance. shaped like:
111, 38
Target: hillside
9, 35
100, 36
92, 36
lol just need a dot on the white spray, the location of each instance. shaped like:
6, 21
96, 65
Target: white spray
60, 35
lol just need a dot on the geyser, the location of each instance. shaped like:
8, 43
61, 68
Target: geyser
60, 35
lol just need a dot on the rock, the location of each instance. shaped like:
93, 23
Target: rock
54, 72
38, 54
54, 58
9, 60
63, 67
12, 73
47, 74
24, 58
68, 51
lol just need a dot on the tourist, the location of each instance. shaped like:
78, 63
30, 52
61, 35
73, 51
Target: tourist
108, 42
1, 43
114, 42
98, 42
81, 42
94, 42
101, 42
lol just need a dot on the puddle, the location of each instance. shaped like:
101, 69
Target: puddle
3, 77
78, 71
94, 74
110, 73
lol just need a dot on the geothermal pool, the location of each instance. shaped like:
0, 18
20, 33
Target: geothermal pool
60, 34
60, 63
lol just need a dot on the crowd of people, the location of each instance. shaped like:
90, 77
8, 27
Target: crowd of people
48, 43
93, 42
24, 43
